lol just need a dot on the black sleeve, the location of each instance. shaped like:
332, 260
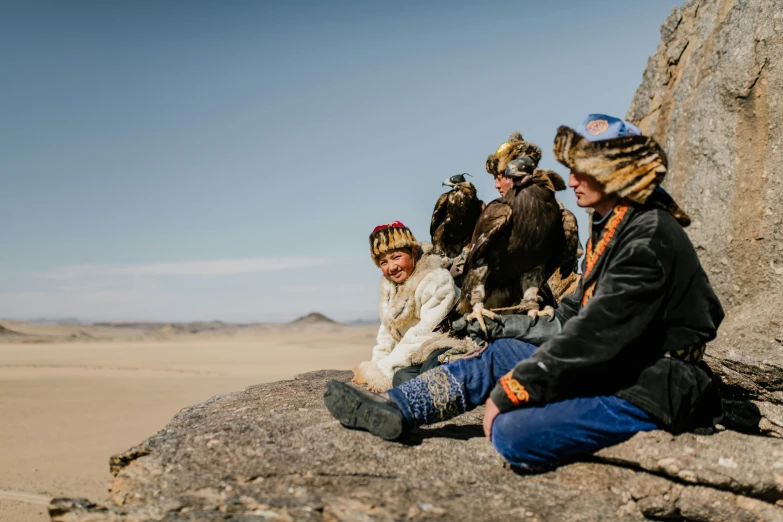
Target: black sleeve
628, 296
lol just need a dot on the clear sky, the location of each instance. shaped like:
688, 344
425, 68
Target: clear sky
167, 160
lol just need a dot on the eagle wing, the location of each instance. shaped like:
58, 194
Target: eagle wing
439, 213
573, 249
495, 217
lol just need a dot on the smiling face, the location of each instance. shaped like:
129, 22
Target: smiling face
397, 265
503, 183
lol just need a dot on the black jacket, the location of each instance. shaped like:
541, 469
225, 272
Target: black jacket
651, 298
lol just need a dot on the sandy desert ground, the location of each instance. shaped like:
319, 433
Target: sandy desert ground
73, 395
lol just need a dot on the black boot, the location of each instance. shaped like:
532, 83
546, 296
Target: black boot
361, 409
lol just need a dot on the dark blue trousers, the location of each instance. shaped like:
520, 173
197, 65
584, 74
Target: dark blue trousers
532, 438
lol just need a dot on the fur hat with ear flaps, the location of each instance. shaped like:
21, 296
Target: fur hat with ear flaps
631, 165
514, 148
390, 236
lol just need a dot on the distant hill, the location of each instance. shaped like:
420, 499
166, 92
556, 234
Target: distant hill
6, 331
313, 318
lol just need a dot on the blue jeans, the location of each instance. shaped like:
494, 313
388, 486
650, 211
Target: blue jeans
532, 438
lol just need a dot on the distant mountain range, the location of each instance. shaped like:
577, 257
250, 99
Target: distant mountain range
311, 318
67, 329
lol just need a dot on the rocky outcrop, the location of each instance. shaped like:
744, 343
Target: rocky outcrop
712, 95
273, 452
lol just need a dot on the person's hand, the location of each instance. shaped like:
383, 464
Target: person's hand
491, 412
471, 328
494, 328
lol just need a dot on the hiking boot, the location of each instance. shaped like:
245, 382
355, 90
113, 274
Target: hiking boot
361, 409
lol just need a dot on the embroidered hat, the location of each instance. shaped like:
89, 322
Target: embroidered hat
514, 148
390, 236
597, 127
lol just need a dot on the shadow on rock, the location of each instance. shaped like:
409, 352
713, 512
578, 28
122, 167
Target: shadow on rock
449, 431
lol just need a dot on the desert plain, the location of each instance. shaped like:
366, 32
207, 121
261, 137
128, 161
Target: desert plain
72, 395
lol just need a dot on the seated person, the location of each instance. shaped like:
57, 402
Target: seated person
624, 352
416, 294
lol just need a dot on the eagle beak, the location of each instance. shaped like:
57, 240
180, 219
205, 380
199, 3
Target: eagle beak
447, 183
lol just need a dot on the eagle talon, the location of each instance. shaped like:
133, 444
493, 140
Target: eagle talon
529, 305
479, 312
548, 311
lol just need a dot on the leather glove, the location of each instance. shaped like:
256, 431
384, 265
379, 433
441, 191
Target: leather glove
514, 326
460, 326
541, 330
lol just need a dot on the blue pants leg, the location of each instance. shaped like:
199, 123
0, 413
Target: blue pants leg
540, 438
454, 388
535, 438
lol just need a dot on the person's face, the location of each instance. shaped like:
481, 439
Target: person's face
503, 183
397, 265
588, 191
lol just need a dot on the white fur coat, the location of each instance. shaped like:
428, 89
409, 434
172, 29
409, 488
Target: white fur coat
408, 313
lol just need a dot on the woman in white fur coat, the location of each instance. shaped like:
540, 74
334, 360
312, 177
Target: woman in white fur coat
417, 292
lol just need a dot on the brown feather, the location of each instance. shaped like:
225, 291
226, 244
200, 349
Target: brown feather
518, 243
454, 219
494, 218
438, 215
573, 249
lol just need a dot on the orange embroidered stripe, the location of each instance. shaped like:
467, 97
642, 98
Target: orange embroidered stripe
594, 254
588, 293
514, 389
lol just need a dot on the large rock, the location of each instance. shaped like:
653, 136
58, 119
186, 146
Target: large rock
273, 452
712, 95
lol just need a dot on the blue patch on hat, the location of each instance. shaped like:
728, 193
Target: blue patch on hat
598, 127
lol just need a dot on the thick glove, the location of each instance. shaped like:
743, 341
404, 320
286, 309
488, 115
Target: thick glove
515, 326
541, 330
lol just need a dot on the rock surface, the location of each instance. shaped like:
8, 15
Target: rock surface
273, 452
712, 95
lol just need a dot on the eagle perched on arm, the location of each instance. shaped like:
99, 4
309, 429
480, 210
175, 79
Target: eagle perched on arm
454, 217
519, 240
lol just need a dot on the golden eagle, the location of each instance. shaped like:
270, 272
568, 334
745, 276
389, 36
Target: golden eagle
454, 217
519, 240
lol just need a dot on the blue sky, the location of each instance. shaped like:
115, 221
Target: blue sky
170, 161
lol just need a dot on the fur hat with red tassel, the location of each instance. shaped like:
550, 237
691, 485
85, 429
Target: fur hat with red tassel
390, 236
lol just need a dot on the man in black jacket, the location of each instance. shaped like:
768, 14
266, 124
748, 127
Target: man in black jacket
624, 352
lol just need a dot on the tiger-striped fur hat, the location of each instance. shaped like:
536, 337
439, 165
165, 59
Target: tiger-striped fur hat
514, 148
390, 236
615, 154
